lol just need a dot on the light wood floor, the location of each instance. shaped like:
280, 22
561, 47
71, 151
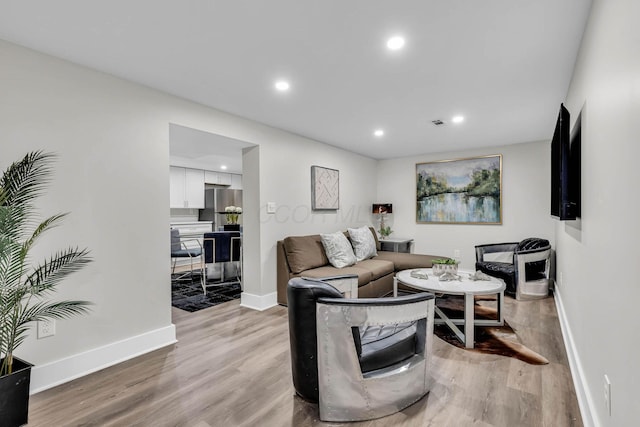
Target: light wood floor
231, 367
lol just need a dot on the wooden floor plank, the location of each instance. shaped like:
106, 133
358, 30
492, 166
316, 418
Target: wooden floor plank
231, 367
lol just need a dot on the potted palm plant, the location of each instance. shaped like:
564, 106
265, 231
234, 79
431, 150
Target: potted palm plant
25, 287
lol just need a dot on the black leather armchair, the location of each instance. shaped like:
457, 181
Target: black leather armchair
358, 358
524, 266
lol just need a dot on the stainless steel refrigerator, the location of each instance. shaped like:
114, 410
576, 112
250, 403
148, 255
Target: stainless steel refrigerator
215, 202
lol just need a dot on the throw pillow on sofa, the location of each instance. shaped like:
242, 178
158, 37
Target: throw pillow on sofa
364, 245
338, 249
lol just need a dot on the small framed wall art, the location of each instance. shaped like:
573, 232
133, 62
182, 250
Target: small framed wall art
325, 188
461, 191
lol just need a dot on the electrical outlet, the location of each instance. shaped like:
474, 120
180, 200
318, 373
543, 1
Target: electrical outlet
46, 328
607, 394
456, 254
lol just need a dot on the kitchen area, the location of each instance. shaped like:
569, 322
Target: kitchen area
205, 195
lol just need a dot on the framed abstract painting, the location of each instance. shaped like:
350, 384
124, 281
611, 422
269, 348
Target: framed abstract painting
325, 188
461, 191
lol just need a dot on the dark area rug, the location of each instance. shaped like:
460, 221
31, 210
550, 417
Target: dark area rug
187, 294
501, 340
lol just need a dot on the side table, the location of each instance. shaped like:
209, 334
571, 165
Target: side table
396, 244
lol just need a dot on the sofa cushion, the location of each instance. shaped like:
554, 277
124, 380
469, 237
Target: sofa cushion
338, 249
304, 252
364, 275
364, 244
405, 261
377, 267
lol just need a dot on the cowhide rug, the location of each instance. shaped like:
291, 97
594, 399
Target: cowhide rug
501, 340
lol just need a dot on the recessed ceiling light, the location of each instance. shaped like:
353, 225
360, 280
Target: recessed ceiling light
282, 85
223, 167
457, 119
378, 132
395, 43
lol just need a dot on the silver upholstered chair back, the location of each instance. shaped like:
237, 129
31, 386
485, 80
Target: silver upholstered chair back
335, 361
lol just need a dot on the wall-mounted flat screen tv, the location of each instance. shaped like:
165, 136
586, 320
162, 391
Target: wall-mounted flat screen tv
565, 168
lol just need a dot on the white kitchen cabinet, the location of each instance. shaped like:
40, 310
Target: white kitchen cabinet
186, 188
236, 182
224, 178
218, 178
210, 177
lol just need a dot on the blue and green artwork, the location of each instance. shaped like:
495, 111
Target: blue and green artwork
460, 191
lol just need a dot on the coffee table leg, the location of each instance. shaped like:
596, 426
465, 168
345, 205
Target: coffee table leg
469, 320
395, 286
500, 304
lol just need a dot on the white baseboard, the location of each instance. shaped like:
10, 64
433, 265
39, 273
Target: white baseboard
258, 302
61, 371
585, 401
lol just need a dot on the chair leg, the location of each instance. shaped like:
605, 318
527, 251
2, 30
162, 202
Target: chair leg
203, 279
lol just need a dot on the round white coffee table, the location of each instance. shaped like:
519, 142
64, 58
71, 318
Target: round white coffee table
465, 286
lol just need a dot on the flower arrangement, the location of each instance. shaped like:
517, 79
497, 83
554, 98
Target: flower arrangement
233, 214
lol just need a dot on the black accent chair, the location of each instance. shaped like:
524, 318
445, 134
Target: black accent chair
524, 266
359, 359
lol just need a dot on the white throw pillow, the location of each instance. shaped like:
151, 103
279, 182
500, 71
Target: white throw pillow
363, 242
338, 249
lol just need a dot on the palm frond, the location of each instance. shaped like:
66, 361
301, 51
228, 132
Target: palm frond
26, 179
52, 271
45, 311
45, 225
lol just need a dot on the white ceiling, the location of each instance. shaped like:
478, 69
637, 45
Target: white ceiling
503, 64
194, 148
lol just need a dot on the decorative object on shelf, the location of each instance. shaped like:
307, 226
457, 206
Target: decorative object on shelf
325, 188
382, 209
445, 265
24, 288
462, 191
233, 214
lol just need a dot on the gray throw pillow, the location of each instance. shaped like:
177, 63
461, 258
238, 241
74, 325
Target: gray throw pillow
364, 245
338, 249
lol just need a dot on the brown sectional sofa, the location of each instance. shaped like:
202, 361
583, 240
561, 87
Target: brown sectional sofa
304, 256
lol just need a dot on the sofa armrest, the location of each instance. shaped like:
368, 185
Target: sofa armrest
347, 284
283, 273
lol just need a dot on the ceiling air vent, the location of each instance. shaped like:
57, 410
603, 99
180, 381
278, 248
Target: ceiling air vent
437, 122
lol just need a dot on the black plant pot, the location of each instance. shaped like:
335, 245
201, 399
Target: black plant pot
232, 227
14, 389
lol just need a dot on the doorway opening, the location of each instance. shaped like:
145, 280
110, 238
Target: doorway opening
206, 202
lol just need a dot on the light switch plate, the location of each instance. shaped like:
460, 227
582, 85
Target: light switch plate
271, 207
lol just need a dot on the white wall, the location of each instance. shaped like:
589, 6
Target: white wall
599, 291
112, 138
525, 199
286, 166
